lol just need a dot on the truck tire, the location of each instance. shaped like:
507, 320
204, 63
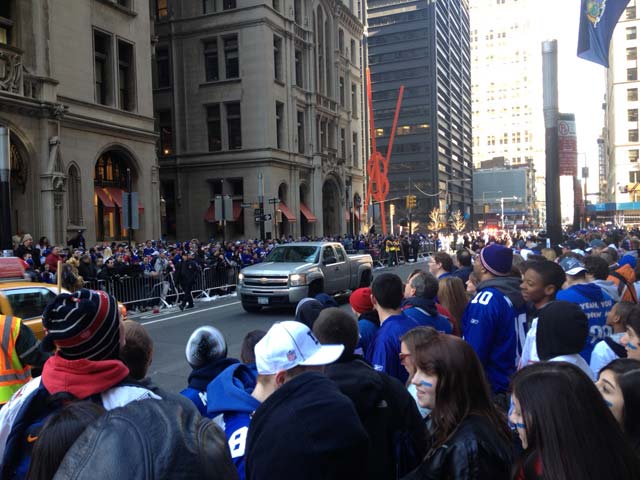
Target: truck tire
250, 308
315, 288
365, 279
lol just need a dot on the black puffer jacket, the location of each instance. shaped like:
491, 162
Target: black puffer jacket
149, 440
474, 452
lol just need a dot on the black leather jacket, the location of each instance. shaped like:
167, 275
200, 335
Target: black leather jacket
474, 452
150, 439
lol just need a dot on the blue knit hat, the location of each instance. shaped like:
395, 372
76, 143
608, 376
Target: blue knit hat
497, 259
83, 324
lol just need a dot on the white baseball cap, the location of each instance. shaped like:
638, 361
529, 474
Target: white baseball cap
289, 344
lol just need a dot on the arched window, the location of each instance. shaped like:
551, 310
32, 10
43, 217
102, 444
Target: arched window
75, 196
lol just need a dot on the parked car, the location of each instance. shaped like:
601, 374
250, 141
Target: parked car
294, 271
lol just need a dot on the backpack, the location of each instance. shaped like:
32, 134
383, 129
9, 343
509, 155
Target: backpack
623, 278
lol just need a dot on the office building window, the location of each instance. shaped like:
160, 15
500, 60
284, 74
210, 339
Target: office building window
353, 51
343, 143
323, 135
231, 63
632, 114
300, 132
275, 4
634, 177
632, 33
277, 57
102, 54
633, 155
234, 125
6, 23
279, 124
165, 128
126, 76
163, 67
341, 40
633, 134
632, 74
632, 53
162, 9
354, 100
341, 87
632, 94
211, 60
208, 6
630, 13
298, 59
297, 11
354, 149
214, 128
228, 4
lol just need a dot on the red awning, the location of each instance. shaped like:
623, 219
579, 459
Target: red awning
210, 215
116, 196
286, 212
237, 210
307, 213
104, 198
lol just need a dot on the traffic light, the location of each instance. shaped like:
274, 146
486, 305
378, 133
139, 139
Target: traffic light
411, 202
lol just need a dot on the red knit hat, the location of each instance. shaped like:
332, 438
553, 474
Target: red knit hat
360, 300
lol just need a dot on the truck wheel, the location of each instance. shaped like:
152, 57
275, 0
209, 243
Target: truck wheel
314, 289
365, 280
250, 308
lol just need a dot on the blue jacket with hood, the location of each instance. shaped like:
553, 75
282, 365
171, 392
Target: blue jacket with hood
229, 395
494, 324
425, 312
200, 378
596, 304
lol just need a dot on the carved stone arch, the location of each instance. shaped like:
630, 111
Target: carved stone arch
74, 194
136, 170
332, 193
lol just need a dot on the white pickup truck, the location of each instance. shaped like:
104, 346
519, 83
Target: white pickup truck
294, 271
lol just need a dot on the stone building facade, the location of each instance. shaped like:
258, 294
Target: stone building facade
75, 92
254, 89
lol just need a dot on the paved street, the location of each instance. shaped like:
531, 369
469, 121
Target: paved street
171, 330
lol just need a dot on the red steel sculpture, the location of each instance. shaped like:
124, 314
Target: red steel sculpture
377, 165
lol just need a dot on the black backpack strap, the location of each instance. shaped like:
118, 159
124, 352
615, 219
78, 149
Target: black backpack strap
618, 349
624, 283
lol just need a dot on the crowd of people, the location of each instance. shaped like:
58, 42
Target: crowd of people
502, 360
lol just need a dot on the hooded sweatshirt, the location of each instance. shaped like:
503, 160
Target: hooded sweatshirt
609, 287
494, 324
200, 378
425, 312
229, 395
307, 429
596, 305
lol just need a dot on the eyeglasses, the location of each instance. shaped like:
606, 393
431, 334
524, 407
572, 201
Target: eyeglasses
403, 356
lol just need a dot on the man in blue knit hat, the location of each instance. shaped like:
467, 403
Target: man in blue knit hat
494, 321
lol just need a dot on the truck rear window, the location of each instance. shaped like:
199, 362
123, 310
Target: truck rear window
297, 254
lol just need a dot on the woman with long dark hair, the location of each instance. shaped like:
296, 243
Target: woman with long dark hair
566, 429
470, 438
619, 384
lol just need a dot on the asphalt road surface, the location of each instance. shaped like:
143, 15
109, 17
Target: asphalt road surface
171, 329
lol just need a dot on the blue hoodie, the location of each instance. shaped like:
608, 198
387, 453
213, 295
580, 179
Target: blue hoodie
200, 378
229, 395
596, 304
425, 312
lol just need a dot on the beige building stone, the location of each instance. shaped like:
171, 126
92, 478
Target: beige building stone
75, 92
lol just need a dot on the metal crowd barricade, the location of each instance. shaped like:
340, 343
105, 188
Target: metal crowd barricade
216, 281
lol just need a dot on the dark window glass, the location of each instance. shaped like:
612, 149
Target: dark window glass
354, 100
630, 13
102, 70
633, 155
632, 94
162, 9
632, 114
632, 53
231, 56
126, 77
277, 57
632, 74
228, 4
343, 143
208, 6
633, 135
211, 60
632, 33
163, 67
341, 88
297, 11
298, 58
234, 125
354, 147
165, 127
301, 144
214, 128
279, 124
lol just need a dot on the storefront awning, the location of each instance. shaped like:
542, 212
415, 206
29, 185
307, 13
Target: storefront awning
210, 214
307, 213
103, 197
286, 211
116, 196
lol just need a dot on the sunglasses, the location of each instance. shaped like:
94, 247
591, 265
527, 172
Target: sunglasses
403, 356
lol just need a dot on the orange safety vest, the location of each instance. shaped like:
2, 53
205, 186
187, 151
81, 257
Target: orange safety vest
12, 373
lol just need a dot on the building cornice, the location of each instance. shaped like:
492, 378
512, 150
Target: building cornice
100, 126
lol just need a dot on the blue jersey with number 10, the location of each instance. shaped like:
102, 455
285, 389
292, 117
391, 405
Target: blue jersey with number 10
495, 328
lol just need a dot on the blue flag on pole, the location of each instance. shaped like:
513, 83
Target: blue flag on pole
598, 18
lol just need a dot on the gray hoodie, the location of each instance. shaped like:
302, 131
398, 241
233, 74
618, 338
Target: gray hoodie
609, 287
